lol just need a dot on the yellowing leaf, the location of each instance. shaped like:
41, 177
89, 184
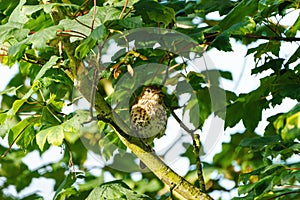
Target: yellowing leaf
130, 70
54, 135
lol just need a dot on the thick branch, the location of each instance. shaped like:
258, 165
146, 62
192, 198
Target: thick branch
210, 37
278, 38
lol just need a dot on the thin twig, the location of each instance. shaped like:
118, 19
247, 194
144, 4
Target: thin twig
81, 23
69, 35
196, 144
72, 31
123, 10
182, 125
94, 14
167, 70
71, 163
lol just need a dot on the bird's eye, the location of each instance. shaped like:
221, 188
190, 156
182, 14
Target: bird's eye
148, 90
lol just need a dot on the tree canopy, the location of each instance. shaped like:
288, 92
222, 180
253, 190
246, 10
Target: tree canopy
80, 65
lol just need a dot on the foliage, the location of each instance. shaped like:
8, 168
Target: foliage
48, 40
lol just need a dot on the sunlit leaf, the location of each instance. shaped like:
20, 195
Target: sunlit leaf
10, 91
54, 135
17, 15
23, 132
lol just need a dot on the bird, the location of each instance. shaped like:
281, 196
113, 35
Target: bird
148, 116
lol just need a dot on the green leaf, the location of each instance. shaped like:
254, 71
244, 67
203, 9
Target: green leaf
244, 189
18, 131
89, 43
47, 66
132, 22
252, 118
72, 126
192, 108
223, 6
238, 13
17, 15
27, 137
244, 27
274, 64
295, 57
41, 22
64, 190
115, 190
3, 117
13, 29
54, 135
264, 48
292, 31
291, 130
152, 11
17, 51
258, 142
18, 103
10, 91
233, 114
263, 185
38, 41
103, 15
7, 8
68, 130
222, 42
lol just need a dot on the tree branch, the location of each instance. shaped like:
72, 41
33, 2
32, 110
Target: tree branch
277, 38
211, 37
196, 145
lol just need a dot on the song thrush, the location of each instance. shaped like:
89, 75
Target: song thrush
148, 115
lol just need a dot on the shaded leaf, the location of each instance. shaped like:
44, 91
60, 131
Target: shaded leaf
261, 49
274, 64
89, 43
237, 14
64, 190
152, 11
222, 42
294, 57
259, 142
115, 190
